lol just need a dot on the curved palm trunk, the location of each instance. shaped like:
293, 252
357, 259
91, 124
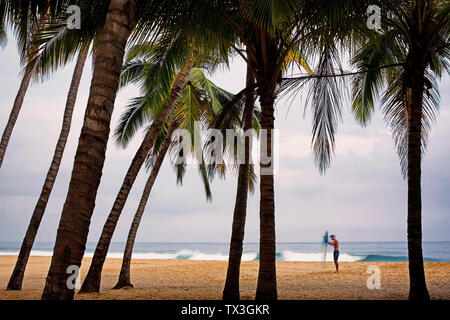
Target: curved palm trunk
92, 281
90, 156
418, 287
231, 290
15, 282
124, 276
18, 102
267, 280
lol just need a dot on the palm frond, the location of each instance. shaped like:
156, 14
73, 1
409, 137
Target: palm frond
367, 86
133, 118
325, 99
395, 108
270, 15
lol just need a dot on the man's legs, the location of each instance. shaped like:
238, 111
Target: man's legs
336, 256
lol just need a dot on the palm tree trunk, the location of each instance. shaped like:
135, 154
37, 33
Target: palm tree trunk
15, 282
267, 280
18, 102
124, 276
418, 288
90, 156
92, 281
231, 290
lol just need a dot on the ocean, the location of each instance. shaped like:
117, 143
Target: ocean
301, 251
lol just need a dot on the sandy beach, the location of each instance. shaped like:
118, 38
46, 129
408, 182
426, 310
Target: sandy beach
182, 279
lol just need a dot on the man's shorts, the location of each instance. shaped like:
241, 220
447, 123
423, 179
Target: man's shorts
336, 255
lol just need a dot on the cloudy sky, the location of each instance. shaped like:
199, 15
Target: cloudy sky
362, 197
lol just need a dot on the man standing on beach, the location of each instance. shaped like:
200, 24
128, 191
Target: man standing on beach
335, 244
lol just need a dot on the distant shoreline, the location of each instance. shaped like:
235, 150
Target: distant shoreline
300, 251
199, 256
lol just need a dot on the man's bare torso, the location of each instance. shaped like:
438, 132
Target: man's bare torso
335, 244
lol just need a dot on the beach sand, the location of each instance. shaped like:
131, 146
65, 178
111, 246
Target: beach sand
183, 279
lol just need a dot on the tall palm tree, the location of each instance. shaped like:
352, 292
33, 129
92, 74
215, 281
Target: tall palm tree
151, 18
416, 47
231, 289
90, 155
92, 281
56, 46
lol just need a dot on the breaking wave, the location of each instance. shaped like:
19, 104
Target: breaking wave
198, 255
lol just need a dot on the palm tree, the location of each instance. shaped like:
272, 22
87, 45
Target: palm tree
15, 282
124, 276
199, 100
151, 18
133, 69
56, 46
92, 281
231, 290
90, 156
263, 55
416, 48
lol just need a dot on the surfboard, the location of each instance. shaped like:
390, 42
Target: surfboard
325, 247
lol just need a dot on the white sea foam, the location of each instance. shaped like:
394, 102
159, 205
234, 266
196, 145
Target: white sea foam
189, 255
38, 253
302, 256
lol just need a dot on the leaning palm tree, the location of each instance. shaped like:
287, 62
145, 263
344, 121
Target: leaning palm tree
15, 282
199, 100
152, 18
153, 76
416, 49
56, 46
93, 278
145, 59
125, 270
90, 155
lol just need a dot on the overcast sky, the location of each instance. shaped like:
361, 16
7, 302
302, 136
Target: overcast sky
362, 197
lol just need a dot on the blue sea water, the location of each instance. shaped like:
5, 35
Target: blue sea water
301, 251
